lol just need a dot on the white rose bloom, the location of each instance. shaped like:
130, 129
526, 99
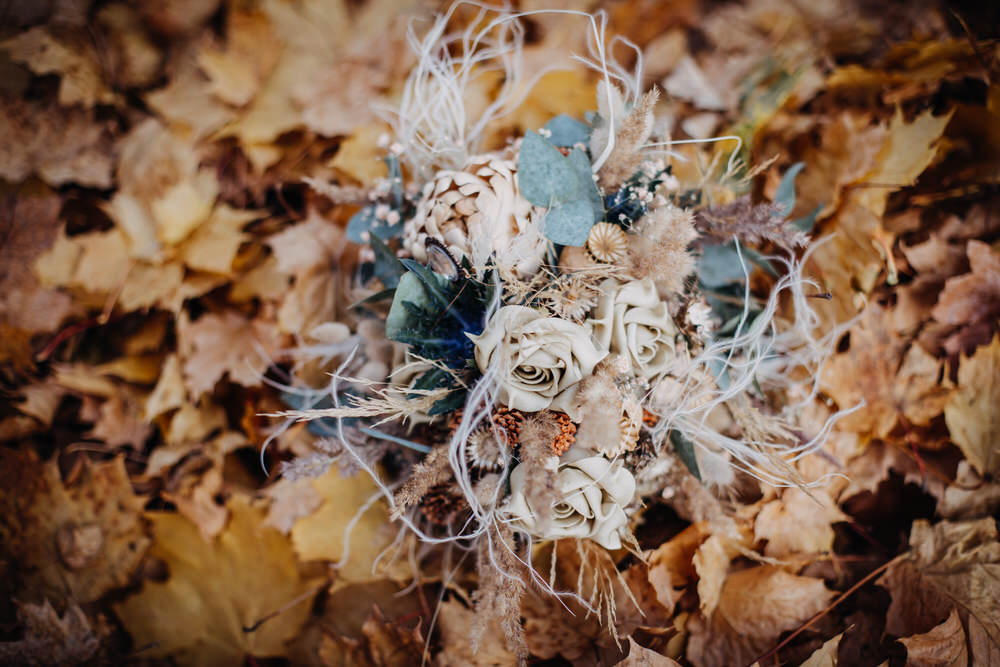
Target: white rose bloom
631, 320
542, 359
477, 212
593, 493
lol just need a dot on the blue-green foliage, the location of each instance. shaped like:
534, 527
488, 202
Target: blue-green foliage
366, 222
564, 185
567, 132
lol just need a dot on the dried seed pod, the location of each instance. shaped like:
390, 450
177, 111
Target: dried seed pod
607, 243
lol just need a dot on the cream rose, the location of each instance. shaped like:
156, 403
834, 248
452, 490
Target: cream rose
541, 358
631, 320
593, 493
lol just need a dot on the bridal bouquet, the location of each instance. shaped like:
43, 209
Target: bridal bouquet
545, 328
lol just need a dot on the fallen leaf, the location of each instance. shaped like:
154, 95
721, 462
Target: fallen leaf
70, 56
69, 542
291, 500
213, 245
360, 157
875, 369
50, 639
972, 299
951, 566
314, 243
211, 610
971, 414
216, 345
195, 496
826, 655
943, 646
60, 145
168, 393
755, 607
41, 399
454, 623
671, 566
351, 528
121, 422
251, 50
798, 523
970, 496
640, 656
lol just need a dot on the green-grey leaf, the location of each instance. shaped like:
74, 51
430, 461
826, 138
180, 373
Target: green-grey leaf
585, 175
567, 131
719, 266
785, 196
544, 176
365, 221
410, 290
570, 223
685, 452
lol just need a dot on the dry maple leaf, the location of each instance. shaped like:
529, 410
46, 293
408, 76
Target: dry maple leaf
331, 533
640, 656
211, 610
798, 523
216, 345
826, 655
951, 566
454, 622
29, 221
875, 370
60, 145
756, 606
50, 639
74, 541
972, 415
971, 302
671, 566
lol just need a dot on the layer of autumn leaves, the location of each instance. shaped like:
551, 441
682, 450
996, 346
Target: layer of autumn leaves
159, 249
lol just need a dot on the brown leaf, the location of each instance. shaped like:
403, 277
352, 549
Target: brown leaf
756, 606
216, 345
972, 298
210, 609
671, 566
29, 222
952, 566
71, 56
51, 640
121, 422
971, 414
798, 523
640, 656
454, 622
943, 646
60, 145
826, 655
970, 496
73, 541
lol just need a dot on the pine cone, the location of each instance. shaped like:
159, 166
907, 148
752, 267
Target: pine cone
477, 212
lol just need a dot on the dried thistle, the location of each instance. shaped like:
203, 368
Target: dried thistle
442, 503
571, 297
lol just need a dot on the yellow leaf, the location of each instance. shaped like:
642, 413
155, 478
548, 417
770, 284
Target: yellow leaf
360, 157
203, 613
68, 541
184, 206
972, 414
328, 534
213, 246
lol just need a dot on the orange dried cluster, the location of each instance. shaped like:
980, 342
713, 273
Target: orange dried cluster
567, 434
509, 422
649, 419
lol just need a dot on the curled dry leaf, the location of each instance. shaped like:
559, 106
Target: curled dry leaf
942, 646
755, 607
50, 639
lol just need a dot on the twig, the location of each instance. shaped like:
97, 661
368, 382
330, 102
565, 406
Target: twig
843, 596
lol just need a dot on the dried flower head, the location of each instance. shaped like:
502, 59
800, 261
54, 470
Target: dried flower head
607, 243
570, 298
566, 436
441, 504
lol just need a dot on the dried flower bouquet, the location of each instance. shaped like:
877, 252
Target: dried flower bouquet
567, 322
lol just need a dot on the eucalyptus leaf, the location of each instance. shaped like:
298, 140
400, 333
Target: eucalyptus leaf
719, 266
544, 176
785, 195
808, 221
585, 174
685, 452
388, 268
566, 131
570, 223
